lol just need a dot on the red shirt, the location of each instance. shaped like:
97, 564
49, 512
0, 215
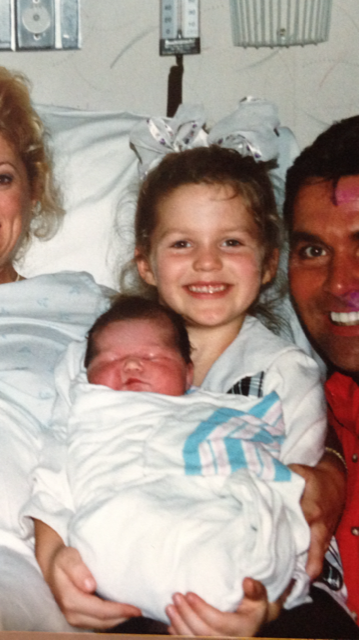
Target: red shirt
343, 413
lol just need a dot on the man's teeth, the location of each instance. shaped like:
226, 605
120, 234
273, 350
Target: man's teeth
207, 288
348, 319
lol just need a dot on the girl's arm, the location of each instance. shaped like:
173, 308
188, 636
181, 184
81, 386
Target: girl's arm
322, 504
73, 585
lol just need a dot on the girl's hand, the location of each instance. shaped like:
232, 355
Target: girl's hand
190, 615
322, 503
73, 587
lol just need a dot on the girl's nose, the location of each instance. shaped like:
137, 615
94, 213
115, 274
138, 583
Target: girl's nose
207, 259
342, 277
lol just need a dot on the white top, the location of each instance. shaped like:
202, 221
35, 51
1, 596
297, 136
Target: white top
287, 370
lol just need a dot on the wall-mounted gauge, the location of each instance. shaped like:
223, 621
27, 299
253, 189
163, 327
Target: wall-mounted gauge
179, 27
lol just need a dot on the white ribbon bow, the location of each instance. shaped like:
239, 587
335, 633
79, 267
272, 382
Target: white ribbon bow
251, 129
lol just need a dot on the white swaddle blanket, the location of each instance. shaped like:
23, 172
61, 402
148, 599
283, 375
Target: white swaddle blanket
171, 494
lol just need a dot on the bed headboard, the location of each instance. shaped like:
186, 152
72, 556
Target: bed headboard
97, 171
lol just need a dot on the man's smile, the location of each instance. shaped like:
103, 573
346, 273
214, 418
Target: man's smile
347, 319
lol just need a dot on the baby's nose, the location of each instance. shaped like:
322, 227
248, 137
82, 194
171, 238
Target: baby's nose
132, 362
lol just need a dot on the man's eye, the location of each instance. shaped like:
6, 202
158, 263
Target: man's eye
5, 178
312, 252
232, 242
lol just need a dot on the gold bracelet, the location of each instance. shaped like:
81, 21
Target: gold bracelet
338, 455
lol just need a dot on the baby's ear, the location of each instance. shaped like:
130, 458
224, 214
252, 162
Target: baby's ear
144, 267
270, 267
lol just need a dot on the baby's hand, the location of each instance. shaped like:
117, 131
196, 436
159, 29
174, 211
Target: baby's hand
190, 615
73, 587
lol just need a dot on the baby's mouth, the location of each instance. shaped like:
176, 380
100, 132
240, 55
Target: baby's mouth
131, 382
210, 288
348, 319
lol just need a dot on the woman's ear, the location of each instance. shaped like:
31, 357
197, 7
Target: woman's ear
270, 267
144, 267
189, 375
36, 192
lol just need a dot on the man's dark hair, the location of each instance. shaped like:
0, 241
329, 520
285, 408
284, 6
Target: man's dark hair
333, 155
127, 307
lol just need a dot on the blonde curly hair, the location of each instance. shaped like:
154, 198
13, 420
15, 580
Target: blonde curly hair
24, 130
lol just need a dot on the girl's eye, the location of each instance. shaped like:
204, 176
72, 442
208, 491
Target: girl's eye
5, 178
311, 252
181, 244
232, 242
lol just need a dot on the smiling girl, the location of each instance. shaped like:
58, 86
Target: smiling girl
207, 237
207, 243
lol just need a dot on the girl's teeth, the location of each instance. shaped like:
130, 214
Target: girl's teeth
207, 289
348, 319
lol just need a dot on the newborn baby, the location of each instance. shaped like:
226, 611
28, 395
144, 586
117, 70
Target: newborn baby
164, 491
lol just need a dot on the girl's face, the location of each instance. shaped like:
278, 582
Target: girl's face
206, 258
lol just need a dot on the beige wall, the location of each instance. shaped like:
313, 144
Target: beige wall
119, 67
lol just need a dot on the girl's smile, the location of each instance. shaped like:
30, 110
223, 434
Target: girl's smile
206, 255
207, 289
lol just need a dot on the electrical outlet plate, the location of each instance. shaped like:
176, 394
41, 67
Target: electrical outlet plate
40, 24
179, 27
35, 24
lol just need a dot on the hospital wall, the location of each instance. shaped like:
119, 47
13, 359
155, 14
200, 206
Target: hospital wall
119, 68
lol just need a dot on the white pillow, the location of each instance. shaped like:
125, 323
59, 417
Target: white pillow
97, 172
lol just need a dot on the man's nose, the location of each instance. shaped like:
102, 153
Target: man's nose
343, 277
207, 258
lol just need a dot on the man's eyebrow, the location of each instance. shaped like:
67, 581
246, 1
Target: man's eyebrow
304, 236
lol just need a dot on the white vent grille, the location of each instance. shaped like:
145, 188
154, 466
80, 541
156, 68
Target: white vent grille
279, 23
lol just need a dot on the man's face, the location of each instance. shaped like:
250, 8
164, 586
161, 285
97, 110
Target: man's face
324, 268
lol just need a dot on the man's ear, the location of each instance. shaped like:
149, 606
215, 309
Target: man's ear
270, 267
144, 267
189, 375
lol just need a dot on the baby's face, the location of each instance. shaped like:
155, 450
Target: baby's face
139, 355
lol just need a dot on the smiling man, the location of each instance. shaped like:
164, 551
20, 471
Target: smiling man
322, 215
